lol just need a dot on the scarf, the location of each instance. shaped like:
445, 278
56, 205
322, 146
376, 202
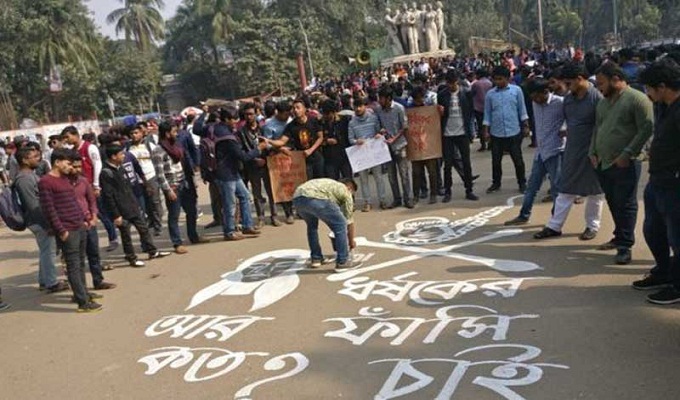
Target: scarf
173, 149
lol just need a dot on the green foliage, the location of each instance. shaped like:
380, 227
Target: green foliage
139, 20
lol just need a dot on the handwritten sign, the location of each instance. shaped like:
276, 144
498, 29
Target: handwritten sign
286, 173
424, 133
372, 153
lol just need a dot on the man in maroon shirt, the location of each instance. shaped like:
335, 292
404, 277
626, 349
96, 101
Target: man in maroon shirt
67, 221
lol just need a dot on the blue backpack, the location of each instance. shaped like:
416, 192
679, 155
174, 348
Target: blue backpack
10, 210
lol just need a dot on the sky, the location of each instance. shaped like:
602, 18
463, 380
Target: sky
102, 8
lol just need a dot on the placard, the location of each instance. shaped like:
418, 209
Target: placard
368, 155
424, 133
286, 174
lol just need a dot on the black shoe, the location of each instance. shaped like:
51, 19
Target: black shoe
213, 224
588, 234
113, 245
517, 221
410, 204
61, 286
522, 188
157, 232
395, 204
651, 282
4, 306
666, 296
433, 199
475, 177
493, 188
447, 198
623, 256
159, 254
423, 195
90, 296
471, 196
610, 245
90, 307
547, 233
441, 192
104, 286
346, 266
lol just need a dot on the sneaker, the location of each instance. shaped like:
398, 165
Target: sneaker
90, 307
366, 208
447, 198
275, 221
471, 196
181, 250
493, 188
384, 206
212, 225
290, 220
61, 286
233, 237
651, 282
137, 264
517, 221
200, 240
666, 296
113, 245
4, 306
158, 254
610, 245
624, 256
104, 286
346, 266
588, 234
410, 204
251, 231
315, 264
90, 295
547, 233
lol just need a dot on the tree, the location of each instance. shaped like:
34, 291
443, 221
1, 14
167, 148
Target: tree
140, 20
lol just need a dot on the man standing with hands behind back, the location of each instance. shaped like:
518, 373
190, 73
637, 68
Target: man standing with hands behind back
624, 123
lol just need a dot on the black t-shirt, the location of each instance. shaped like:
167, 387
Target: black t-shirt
302, 136
664, 164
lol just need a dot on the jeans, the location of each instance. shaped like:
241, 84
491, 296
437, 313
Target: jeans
479, 120
662, 229
152, 204
74, 252
336, 169
312, 210
232, 190
400, 164
540, 168
514, 146
186, 200
106, 220
259, 177
315, 168
215, 202
144, 236
93, 260
419, 168
620, 190
456, 150
379, 184
47, 268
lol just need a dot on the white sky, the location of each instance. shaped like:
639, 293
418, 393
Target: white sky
102, 8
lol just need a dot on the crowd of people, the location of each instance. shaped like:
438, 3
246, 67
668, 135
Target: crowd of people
589, 118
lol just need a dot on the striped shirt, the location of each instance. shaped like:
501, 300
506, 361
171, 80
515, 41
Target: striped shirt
331, 190
364, 127
170, 174
56, 201
549, 121
504, 110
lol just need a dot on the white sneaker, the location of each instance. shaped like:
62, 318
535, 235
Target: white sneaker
315, 263
137, 264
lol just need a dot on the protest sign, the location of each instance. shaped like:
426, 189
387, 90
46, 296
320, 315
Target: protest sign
424, 133
286, 174
373, 152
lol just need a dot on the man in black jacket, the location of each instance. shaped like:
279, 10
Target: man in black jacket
121, 203
456, 129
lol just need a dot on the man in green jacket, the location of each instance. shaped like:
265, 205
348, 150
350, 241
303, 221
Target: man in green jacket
624, 123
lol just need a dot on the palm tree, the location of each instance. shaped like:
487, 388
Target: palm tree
140, 20
220, 14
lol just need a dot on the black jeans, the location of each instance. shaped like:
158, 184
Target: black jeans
259, 177
74, 253
215, 202
514, 146
144, 236
93, 259
479, 119
662, 229
620, 189
418, 168
457, 155
315, 168
337, 168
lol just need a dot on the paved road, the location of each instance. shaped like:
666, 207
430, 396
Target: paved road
449, 305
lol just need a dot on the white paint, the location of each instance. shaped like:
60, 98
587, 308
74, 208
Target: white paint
504, 375
471, 325
209, 363
211, 327
275, 364
425, 292
499, 265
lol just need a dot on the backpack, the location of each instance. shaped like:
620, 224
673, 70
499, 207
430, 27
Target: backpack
10, 210
208, 152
